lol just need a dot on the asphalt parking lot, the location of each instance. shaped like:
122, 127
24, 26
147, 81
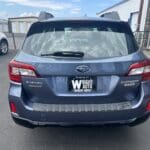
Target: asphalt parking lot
14, 137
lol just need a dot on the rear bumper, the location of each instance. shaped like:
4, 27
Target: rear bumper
31, 124
43, 117
40, 115
76, 121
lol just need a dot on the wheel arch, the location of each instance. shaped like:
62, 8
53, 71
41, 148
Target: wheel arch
4, 39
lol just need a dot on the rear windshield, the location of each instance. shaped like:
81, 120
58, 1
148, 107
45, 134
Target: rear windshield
96, 39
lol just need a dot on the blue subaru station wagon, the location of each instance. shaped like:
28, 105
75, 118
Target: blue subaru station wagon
79, 71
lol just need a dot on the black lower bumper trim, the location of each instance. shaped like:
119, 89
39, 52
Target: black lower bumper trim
23, 123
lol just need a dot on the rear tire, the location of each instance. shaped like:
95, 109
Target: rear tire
3, 47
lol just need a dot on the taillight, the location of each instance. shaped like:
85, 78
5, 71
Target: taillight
148, 107
18, 69
13, 107
141, 68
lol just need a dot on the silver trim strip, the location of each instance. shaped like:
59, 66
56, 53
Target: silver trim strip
15, 83
15, 114
82, 107
140, 101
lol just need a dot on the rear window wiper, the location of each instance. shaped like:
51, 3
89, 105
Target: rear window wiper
65, 54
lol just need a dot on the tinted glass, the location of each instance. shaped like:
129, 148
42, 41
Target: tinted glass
96, 39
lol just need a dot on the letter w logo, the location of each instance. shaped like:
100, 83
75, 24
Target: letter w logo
76, 84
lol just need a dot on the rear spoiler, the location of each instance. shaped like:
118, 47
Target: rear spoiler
45, 16
111, 15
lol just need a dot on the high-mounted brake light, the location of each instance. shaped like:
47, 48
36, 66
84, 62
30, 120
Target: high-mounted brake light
18, 69
141, 68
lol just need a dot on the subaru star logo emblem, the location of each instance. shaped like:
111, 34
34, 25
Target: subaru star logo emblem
82, 68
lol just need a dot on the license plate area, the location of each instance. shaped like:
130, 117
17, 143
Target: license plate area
82, 84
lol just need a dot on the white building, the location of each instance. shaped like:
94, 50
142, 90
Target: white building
134, 11
137, 13
21, 24
3, 25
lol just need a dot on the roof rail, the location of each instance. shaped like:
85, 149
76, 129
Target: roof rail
45, 16
111, 15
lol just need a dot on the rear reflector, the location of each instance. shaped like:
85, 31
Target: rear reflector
13, 107
148, 107
141, 68
18, 69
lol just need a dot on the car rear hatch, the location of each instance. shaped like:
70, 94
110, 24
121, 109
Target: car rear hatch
104, 74
63, 82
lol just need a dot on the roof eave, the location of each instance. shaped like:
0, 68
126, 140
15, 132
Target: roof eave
123, 1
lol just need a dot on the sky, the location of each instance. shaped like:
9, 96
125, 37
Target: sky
59, 8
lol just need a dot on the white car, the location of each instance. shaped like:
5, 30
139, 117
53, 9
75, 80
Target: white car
3, 44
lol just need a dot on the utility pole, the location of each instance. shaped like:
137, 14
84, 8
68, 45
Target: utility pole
140, 15
147, 27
